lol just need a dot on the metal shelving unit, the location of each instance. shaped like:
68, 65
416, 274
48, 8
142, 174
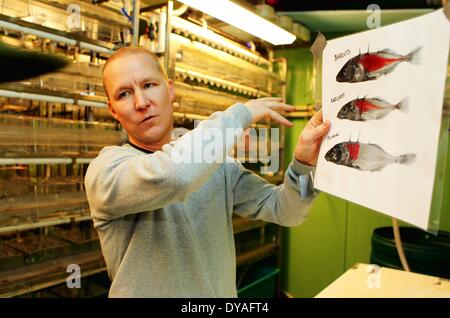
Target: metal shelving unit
51, 127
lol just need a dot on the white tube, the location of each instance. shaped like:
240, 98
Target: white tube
49, 98
32, 161
83, 102
136, 8
45, 98
83, 160
95, 48
19, 28
162, 19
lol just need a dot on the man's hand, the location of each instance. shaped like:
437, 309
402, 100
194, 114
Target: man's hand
269, 108
308, 145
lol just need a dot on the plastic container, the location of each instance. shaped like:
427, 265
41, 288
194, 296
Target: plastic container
266, 11
260, 282
39, 248
10, 258
80, 239
425, 253
285, 22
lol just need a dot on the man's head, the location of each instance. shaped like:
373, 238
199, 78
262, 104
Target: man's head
140, 96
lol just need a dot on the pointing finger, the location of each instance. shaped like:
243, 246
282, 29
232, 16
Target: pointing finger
280, 106
280, 119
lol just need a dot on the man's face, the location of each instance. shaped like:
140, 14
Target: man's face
140, 98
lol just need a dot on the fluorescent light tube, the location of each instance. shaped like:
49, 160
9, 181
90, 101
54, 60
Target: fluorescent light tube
239, 17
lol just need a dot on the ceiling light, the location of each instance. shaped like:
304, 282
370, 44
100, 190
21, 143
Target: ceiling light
239, 17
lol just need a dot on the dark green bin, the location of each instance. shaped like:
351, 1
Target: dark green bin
260, 282
425, 253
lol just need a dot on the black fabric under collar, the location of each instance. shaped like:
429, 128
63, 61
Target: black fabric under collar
139, 148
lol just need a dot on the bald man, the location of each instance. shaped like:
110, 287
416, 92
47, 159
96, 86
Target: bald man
164, 220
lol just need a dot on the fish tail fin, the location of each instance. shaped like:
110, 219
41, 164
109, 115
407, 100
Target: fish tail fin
406, 159
414, 57
403, 106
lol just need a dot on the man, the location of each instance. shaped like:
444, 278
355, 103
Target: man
164, 222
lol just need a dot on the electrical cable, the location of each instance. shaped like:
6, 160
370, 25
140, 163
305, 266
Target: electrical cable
398, 244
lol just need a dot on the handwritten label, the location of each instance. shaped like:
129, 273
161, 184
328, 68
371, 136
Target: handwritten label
332, 136
341, 55
335, 99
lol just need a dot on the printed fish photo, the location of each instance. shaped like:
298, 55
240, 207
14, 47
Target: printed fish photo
364, 156
371, 66
364, 109
387, 85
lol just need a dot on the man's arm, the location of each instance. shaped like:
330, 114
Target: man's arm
287, 204
119, 183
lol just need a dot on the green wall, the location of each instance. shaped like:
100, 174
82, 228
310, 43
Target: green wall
337, 233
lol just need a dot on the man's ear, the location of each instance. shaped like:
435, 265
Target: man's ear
112, 111
171, 90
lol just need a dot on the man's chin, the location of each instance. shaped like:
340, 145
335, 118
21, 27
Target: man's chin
151, 137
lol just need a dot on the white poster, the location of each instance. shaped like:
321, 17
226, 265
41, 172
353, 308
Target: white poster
383, 93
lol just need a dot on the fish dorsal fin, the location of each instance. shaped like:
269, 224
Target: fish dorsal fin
387, 51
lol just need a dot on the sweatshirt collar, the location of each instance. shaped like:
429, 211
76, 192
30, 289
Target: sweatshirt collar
139, 148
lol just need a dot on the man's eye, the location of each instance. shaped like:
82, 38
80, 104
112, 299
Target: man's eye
148, 85
124, 94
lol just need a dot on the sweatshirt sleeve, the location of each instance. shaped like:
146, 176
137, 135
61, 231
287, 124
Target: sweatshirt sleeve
287, 204
119, 182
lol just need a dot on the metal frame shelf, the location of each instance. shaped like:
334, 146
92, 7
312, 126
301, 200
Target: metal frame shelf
25, 27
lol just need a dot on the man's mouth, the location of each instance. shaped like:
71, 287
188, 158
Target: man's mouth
149, 118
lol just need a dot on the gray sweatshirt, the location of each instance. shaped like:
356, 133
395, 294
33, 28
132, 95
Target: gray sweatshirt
165, 224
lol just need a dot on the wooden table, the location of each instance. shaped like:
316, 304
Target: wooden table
369, 281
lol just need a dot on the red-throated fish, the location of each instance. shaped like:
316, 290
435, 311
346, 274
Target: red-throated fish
370, 66
365, 157
363, 109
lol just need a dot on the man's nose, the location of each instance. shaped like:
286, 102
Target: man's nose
140, 100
